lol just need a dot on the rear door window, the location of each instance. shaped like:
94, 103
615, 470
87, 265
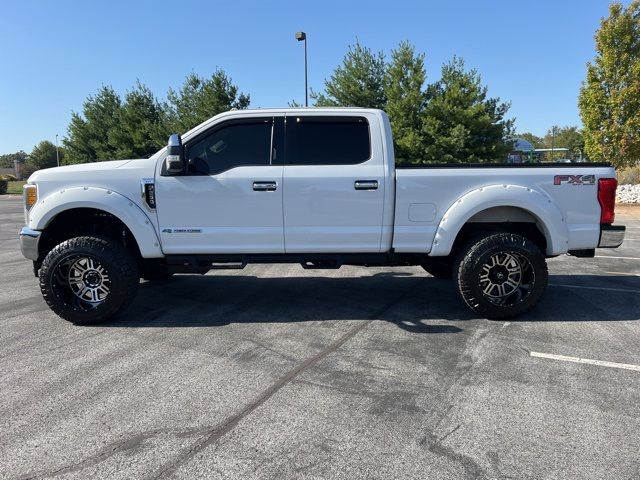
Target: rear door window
316, 140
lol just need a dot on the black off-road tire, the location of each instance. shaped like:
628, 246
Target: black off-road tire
473, 261
439, 267
114, 258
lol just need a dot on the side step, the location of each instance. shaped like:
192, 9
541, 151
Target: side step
194, 264
202, 263
227, 266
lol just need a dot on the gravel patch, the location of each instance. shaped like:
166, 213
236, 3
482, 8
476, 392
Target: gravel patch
628, 194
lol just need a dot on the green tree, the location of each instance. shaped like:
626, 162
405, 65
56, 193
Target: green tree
460, 123
564, 137
142, 128
537, 142
403, 86
201, 98
609, 99
7, 160
89, 135
43, 155
358, 82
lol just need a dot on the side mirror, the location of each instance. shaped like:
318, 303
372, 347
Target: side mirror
174, 163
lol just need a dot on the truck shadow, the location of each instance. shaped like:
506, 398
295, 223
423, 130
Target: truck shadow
416, 303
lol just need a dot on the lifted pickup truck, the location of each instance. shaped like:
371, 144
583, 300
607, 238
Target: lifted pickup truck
318, 187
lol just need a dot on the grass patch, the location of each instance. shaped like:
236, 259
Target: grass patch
629, 176
15, 188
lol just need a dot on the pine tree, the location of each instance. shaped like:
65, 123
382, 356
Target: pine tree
460, 123
200, 99
142, 128
358, 82
404, 81
43, 155
88, 134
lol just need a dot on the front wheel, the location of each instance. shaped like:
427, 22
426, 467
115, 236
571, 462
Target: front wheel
88, 279
501, 275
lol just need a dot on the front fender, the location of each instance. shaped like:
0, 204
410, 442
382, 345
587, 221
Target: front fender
109, 201
538, 204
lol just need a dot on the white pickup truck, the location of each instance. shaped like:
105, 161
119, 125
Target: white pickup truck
318, 187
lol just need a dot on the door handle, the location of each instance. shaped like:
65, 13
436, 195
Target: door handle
366, 185
265, 186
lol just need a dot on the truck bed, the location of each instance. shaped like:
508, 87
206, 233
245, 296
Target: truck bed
432, 200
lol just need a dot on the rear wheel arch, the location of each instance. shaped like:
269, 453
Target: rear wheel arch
500, 208
522, 223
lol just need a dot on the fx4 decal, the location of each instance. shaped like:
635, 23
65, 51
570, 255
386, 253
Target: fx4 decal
574, 180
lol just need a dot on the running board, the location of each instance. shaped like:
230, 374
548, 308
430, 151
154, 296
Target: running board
195, 264
205, 262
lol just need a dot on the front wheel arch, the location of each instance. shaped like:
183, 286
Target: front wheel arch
77, 222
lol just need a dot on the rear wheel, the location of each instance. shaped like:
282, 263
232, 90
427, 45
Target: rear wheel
88, 279
501, 275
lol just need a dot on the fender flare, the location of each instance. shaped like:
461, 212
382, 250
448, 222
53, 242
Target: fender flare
124, 209
535, 202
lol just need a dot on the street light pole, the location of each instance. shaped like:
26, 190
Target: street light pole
302, 37
57, 152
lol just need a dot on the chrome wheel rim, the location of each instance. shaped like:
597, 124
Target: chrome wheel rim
506, 278
82, 282
89, 280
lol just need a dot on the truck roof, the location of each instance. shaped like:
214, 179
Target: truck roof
285, 110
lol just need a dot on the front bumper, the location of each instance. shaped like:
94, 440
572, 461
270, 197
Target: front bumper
611, 236
29, 243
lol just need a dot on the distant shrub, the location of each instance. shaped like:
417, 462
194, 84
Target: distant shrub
3, 186
27, 170
629, 176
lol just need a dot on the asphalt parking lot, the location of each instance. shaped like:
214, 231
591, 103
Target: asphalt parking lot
280, 372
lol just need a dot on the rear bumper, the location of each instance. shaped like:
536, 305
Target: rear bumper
611, 236
29, 243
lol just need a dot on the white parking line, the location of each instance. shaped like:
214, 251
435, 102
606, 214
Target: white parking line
623, 274
619, 258
599, 363
625, 290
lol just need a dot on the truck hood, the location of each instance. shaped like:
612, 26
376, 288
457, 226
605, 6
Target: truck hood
73, 171
120, 176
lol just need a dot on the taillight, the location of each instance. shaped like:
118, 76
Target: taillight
607, 199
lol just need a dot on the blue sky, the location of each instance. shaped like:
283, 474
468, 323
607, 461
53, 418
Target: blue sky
55, 54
